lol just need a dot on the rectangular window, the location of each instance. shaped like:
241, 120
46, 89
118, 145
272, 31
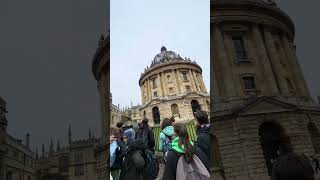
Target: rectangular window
240, 49
249, 82
188, 88
171, 90
184, 76
79, 171
154, 82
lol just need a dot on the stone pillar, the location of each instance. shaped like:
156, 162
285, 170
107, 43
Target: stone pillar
275, 63
297, 73
191, 79
177, 81
142, 93
262, 56
223, 66
163, 84
202, 82
195, 81
160, 85
149, 89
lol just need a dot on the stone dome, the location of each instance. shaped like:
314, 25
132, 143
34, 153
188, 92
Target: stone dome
165, 56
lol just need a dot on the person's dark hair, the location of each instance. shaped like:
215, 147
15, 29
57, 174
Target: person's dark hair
292, 167
172, 119
202, 117
119, 124
182, 133
116, 132
165, 123
145, 121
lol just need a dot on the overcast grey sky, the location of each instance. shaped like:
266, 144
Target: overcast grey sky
46, 50
138, 30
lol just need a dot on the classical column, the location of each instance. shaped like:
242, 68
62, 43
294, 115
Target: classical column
214, 83
164, 84
160, 85
202, 82
142, 93
297, 73
223, 65
275, 62
191, 79
195, 81
149, 89
270, 82
177, 81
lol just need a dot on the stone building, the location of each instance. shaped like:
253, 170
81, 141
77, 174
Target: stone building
3, 134
172, 86
115, 113
261, 105
131, 115
101, 72
16, 158
77, 160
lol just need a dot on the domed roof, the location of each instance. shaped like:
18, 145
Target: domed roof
165, 56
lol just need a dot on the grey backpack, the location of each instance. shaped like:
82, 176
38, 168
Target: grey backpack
193, 171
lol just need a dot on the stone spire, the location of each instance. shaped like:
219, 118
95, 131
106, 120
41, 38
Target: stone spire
37, 155
69, 135
51, 147
89, 133
28, 140
43, 151
58, 146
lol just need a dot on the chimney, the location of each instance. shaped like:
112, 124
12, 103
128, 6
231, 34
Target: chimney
28, 141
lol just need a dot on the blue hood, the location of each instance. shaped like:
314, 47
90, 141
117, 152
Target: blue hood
169, 131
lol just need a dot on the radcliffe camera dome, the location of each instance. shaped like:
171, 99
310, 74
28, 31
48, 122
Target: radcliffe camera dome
165, 56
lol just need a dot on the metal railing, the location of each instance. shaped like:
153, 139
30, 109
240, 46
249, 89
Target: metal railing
189, 125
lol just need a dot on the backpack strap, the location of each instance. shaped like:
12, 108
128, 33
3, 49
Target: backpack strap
169, 137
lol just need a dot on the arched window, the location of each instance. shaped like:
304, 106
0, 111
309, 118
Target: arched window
195, 106
315, 136
9, 175
274, 143
156, 115
175, 110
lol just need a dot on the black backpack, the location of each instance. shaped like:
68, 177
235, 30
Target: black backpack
152, 166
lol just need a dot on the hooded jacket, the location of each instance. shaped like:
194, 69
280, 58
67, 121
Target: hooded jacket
169, 131
203, 139
173, 157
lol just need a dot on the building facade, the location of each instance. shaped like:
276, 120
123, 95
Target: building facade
101, 72
172, 86
261, 105
16, 158
115, 113
77, 160
3, 134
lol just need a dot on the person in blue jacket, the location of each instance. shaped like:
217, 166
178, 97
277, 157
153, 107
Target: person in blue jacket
117, 153
166, 136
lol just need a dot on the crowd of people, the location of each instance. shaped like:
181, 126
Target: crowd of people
132, 154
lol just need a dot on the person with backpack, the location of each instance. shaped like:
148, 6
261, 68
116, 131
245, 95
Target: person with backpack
185, 161
203, 132
117, 153
146, 135
139, 163
166, 137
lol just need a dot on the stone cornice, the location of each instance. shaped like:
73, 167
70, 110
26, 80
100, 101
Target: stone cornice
247, 9
171, 65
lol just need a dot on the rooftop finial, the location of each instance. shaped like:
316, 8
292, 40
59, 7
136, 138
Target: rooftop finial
163, 48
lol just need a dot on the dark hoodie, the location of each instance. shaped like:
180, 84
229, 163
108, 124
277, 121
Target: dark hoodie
203, 139
133, 163
173, 158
